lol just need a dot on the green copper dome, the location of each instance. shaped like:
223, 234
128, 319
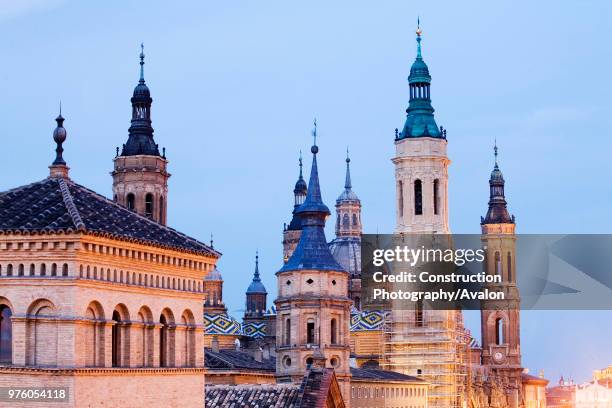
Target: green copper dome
420, 121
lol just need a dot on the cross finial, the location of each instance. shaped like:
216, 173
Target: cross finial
314, 149
300, 163
211, 241
348, 159
142, 56
495, 151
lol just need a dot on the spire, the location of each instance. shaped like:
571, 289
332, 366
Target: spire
312, 251
420, 120
142, 56
347, 194
256, 286
347, 182
418, 33
140, 140
498, 211
299, 195
58, 168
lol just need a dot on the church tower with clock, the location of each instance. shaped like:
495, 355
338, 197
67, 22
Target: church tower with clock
500, 320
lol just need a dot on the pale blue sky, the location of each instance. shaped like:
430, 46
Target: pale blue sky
236, 85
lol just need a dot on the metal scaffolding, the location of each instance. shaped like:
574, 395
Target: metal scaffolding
433, 345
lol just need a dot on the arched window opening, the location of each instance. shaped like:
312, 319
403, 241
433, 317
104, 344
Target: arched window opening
116, 340
334, 331
32, 270
345, 221
498, 264
418, 197
510, 277
310, 332
436, 196
287, 332
43, 269
20, 270
65, 270
400, 194
130, 201
163, 342
499, 331
418, 313
355, 220
161, 209
149, 205
358, 302
6, 335
9, 270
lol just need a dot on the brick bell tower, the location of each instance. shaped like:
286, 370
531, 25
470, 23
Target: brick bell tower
140, 176
313, 307
500, 320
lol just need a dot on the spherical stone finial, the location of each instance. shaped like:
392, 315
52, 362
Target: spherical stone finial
419, 31
314, 149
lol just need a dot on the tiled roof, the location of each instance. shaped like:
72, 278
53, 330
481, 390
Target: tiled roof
233, 359
381, 375
312, 392
57, 205
261, 395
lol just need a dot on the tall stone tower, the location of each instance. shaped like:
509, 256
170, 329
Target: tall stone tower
346, 247
140, 177
292, 232
312, 308
500, 320
421, 164
431, 344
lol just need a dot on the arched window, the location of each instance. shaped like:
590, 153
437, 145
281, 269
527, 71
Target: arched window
6, 335
418, 197
355, 220
436, 196
287, 332
345, 221
400, 193
9, 270
163, 342
334, 331
32, 269
418, 313
129, 202
510, 277
116, 340
310, 331
20, 270
149, 205
161, 209
498, 264
499, 331
43, 269
357, 302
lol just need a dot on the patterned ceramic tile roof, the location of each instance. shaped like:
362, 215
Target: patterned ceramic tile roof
237, 360
57, 205
256, 330
221, 323
366, 320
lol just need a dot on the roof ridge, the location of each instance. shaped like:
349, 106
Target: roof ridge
106, 199
70, 206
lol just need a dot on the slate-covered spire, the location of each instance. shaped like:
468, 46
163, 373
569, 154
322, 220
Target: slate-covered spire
498, 211
256, 285
347, 194
420, 121
140, 139
59, 168
312, 252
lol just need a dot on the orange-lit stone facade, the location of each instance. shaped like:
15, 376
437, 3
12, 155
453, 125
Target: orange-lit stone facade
117, 322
